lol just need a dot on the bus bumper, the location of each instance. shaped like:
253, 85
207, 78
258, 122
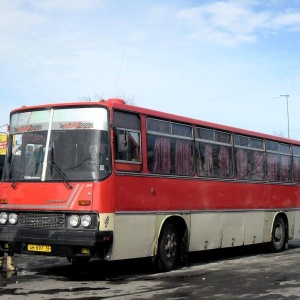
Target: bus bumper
62, 242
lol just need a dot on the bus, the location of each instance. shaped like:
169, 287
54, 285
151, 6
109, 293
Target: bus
113, 181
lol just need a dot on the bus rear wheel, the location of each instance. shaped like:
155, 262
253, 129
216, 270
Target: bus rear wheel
278, 235
168, 248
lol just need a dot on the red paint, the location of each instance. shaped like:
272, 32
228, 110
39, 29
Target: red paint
139, 191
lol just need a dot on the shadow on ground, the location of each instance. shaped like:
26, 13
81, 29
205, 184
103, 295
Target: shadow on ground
120, 270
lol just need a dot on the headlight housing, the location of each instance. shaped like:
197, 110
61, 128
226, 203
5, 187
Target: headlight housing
3, 218
86, 221
13, 218
74, 220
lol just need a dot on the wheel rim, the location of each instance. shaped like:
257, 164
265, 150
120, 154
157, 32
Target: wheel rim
278, 234
171, 245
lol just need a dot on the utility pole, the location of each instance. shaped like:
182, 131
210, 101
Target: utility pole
287, 112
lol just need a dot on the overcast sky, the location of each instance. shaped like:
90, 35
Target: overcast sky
221, 61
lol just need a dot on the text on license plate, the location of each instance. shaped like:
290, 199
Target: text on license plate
41, 248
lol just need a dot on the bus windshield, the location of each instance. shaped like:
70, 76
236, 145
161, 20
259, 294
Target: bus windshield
58, 145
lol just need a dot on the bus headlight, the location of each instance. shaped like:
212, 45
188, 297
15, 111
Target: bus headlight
74, 221
13, 218
3, 218
86, 221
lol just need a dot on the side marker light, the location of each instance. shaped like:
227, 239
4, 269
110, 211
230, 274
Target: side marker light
3, 201
84, 202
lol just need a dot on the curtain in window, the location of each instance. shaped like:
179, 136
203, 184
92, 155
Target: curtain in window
284, 169
258, 169
296, 164
162, 155
224, 163
272, 166
183, 158
208, 160
242, 163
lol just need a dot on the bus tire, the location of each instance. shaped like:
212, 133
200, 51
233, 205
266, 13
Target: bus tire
168, 248
278, 235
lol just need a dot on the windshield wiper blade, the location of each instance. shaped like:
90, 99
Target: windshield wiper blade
15, 183
62, 174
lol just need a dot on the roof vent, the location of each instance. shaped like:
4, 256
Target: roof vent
116, 100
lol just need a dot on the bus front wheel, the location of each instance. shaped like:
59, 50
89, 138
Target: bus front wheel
278, 235
168, 248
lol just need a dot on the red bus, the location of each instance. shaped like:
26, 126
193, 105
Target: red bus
114, 181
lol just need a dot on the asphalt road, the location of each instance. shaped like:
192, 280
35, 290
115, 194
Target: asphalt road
237, 273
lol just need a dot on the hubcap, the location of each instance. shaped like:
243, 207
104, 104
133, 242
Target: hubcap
171, 245
278, 233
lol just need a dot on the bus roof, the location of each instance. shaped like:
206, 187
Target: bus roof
121, 104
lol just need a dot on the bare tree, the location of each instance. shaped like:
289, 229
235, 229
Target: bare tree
96, 98
280, 134
128, 99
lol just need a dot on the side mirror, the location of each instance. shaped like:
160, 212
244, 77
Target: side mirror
123, 142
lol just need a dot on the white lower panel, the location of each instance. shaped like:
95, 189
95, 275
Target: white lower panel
254, 227
133, 236
213, 230
296, 233
233, 229
206, 231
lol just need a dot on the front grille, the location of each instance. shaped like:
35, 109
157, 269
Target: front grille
48, 220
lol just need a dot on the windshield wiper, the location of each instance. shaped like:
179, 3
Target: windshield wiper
15, 183
62, 174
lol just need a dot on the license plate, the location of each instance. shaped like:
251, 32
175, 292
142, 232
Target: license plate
39, 248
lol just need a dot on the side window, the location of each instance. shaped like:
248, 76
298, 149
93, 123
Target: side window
213, 153
169, 147
249, 157
213, 160
279, 162
127, 137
